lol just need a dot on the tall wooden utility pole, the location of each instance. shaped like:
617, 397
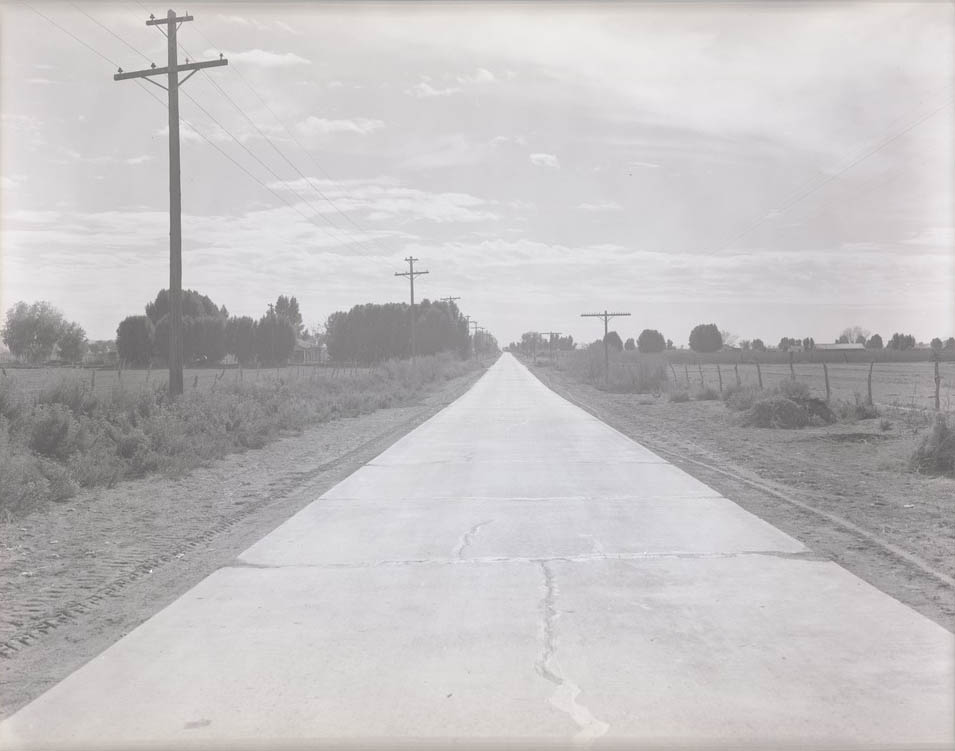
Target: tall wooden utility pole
606, 316
411, 274
172, 71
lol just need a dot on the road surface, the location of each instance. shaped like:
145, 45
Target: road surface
515, 568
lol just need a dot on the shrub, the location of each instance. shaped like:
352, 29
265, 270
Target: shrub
936, 453
10, 402
23, 485
742, 398
74, 394
885, 425
776, 412
796, 391
678, 397
706, 394
857, 409
53, 431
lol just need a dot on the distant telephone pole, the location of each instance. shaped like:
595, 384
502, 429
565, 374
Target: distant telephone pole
550, 342
172, 71
449, 300
606, 316
411, 274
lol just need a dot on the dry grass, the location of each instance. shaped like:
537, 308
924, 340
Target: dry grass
69, 436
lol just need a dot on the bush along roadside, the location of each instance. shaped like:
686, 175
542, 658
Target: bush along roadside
70, 437
936, 454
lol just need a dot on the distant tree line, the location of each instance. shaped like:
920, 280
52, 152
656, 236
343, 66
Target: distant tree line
374, 332
209, 333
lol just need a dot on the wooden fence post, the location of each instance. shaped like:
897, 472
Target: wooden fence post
719, 374
686, 372
93, 380
700, 366
736, 368
871, 365
825, 371
673, 370
759, 375
938, 382
792, 370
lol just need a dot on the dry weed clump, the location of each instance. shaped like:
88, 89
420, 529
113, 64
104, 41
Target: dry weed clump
706, 394
775, 412
936, 454
71, 437
678, 397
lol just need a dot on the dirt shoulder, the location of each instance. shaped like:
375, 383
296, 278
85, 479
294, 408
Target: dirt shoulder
77, 576
843, 490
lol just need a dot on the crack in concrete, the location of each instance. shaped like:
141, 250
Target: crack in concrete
566, 692
466, 538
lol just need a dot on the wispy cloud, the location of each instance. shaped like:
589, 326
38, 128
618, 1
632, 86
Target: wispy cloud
386, 199
320, 126
424, 90
262, 57
481, 75
601, 206
141, 159
545, 160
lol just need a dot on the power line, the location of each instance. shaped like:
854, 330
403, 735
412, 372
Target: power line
110, 31
299, 144
189, 124
812, 186
308, 181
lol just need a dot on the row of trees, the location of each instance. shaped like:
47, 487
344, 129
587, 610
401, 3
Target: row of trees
209, 333
374, 332
34, 332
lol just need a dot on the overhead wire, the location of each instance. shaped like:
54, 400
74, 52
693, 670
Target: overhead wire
819, 182
184, 120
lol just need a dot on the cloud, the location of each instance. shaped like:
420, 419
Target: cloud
481, 75
7, 183
425, 90
262, 57
545, 160
320, 126
142, 159
601, 206
385, 199
648, 165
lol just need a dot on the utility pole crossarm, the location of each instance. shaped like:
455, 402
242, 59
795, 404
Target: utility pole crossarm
411, 274
122, 76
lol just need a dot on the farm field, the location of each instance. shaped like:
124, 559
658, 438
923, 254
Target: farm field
31, 381
907, 384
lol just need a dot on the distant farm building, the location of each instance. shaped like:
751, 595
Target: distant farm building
843, 347
309, 353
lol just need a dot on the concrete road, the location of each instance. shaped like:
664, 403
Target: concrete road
515, 568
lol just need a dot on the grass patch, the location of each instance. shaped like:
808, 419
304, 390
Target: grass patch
678, 397
936, 453
72, 437
706, 394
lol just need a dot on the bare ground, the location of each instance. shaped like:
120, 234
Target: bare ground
843, 490
75, 577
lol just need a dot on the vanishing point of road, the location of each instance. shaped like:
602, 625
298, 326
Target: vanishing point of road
516, 569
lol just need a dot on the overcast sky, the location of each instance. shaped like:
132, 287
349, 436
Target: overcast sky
688, 164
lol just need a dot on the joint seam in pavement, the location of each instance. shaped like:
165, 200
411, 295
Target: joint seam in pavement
806, 555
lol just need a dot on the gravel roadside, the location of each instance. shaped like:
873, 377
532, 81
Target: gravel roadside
75, 577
